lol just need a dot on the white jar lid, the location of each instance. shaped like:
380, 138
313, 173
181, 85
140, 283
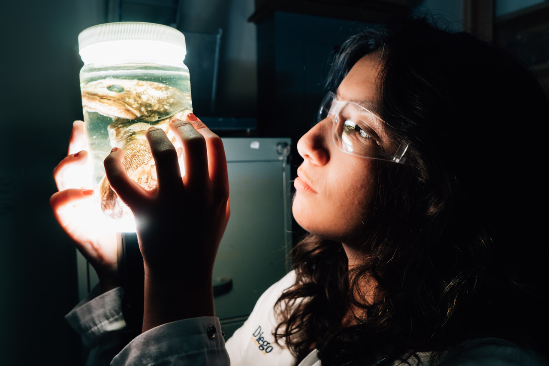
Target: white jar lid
131, 41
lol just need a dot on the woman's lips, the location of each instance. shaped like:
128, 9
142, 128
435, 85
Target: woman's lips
301, 184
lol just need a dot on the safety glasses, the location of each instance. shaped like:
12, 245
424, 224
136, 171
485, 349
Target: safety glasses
357, 131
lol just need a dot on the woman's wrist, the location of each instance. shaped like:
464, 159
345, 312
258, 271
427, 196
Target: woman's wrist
108, 281
171, 297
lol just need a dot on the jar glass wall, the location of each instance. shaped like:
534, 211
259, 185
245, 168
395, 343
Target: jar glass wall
121, 99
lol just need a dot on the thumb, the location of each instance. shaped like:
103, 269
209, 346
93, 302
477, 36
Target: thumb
129, 191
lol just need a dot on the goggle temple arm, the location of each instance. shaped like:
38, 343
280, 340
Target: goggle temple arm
398, 157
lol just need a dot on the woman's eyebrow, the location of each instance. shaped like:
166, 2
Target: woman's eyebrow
368, 104
378, 124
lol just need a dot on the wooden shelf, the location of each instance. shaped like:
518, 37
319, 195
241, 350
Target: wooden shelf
360, 10
538, 11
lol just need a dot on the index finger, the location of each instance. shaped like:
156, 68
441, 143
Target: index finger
79, 139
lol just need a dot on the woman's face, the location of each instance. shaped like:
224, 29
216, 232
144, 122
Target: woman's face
335, 190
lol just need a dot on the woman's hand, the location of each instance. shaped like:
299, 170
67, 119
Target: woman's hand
181, 222
81, 218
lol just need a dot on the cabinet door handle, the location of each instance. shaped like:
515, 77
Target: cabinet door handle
222, 286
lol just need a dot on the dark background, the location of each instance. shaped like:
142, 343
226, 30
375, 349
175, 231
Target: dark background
40, 97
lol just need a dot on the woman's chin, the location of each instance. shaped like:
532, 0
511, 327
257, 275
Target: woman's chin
301, 212
312, 220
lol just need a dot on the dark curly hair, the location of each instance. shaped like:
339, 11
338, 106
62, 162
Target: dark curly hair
455, 242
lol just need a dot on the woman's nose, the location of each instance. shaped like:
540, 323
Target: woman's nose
313, 146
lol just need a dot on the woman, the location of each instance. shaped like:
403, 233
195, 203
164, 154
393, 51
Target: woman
419, 190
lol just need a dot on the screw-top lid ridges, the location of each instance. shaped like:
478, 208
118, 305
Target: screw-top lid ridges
130, 31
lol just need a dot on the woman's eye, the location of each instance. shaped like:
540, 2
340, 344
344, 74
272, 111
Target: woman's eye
349, 127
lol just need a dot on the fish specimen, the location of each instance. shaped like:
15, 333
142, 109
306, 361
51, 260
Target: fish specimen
134, 106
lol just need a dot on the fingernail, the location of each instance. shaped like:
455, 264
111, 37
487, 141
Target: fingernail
114, 149
153, 128
87, 192
197, 124
76, 155
175, 120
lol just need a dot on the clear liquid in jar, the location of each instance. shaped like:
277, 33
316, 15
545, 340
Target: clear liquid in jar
120, 104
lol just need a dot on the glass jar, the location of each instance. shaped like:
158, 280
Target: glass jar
133, 78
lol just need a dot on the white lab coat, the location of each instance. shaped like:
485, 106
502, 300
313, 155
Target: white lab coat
98, 319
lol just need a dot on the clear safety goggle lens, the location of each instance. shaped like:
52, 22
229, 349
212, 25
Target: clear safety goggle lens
355, 131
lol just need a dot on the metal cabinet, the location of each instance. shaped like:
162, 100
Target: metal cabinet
254, 252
